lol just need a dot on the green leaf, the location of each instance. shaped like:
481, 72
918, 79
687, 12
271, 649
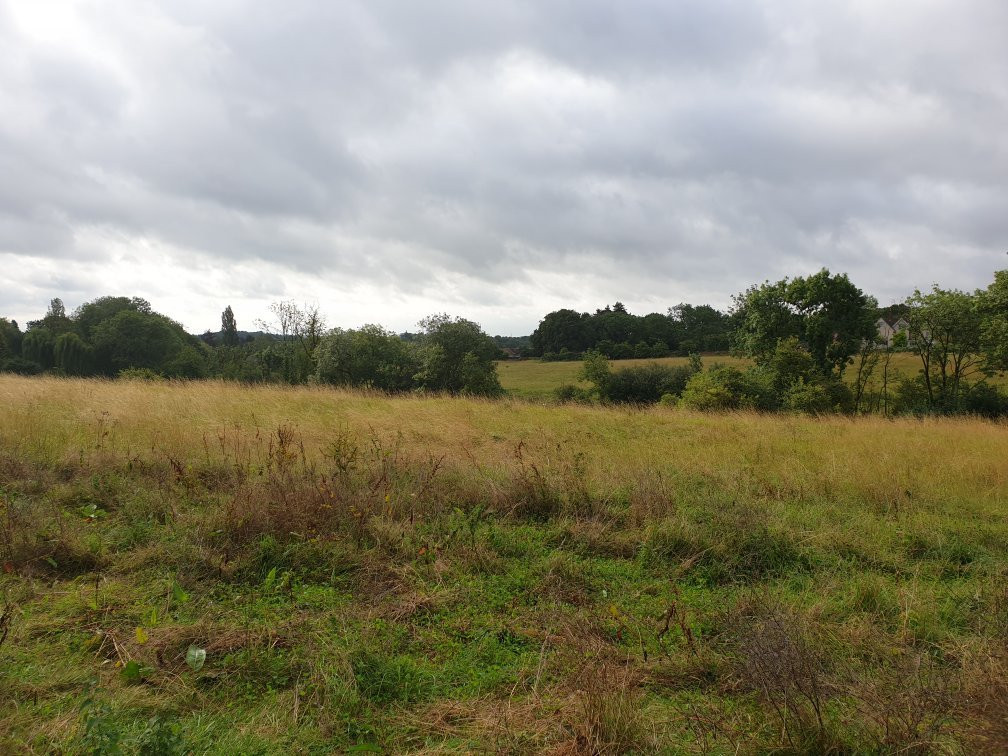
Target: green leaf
133, 672
179, 596
270, 579
141, 636
195, 658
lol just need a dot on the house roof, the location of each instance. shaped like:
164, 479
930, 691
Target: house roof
893, 321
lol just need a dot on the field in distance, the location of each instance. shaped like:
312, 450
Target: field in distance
535, 379
216, 568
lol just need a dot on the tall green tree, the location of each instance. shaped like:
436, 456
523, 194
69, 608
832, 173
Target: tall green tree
946, 334
133, 339
369, 357
229, 328
37, 346
828, 315
560, 330
456, 356
90, 314
993, 306
55, 320
72, 355
10, 339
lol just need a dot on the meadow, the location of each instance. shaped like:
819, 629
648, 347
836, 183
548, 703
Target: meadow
213, 568
534, 379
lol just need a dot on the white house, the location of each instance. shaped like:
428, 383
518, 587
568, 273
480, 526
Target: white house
889, 327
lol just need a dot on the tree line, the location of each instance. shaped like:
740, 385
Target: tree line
812, 341
815, 346
124, 337
612, 331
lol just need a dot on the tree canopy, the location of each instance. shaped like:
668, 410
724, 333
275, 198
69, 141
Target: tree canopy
827, 314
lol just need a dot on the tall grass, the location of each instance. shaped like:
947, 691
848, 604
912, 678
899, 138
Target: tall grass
429, 573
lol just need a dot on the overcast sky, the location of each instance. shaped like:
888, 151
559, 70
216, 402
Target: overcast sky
498, 160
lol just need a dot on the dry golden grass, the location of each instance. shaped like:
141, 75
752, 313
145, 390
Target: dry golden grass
888, 463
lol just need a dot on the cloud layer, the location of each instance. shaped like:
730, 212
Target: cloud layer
390, 159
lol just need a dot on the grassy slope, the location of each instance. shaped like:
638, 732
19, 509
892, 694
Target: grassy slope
452, 575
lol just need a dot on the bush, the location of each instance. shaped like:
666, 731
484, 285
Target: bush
817, 396
724, 387
140, 374
568, 392
985, 400
646, 384
369, 357
457, 357
188, 363
909, 396
21, 366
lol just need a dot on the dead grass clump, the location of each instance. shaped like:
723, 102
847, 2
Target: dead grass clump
555, 483
704, 670
984, 700
376, 581
285, 493
598, 538
14, 469
564, 579
512, 725
607, 715
169, 645
673, 540
652, 497
416, 606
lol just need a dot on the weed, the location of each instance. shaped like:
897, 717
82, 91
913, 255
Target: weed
101, 736
161, 736
384, 680
911, 705
778, 658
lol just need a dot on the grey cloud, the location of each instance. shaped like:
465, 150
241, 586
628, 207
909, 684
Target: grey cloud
654, 149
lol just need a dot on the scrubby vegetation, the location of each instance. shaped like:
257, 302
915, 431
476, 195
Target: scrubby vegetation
205, 567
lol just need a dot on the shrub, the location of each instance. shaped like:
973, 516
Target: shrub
568, 392
910, 396
456, 356
20, 365
817, 396
140, 374
188, 363
368, 357
646, 384
986, 400
724, 387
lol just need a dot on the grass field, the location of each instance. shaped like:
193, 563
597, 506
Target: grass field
213, 568
533, 379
